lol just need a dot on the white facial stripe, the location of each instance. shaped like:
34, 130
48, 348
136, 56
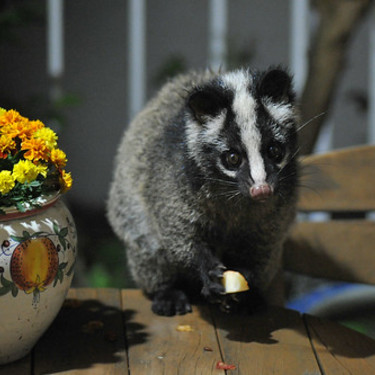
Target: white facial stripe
282, 113
257, 170
198, 134
229, 173
244, 106
213, 127
237, 79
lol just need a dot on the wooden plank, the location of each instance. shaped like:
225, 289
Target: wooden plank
339, 181
340, 250
20, 367
86, 337
274, 341
341, 350
156, 347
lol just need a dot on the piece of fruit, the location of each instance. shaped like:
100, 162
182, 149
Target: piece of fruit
234, 282
184, 328
34, 264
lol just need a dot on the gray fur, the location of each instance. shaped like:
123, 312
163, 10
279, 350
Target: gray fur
175, 226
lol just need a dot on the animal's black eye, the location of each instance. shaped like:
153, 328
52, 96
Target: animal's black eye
276, 152
232, 159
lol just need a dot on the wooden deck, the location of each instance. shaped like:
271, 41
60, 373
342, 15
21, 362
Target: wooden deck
110, 331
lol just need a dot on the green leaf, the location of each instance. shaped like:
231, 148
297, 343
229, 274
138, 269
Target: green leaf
14, 290
58, 277
4, 290
20, 207
56, 228
62, 242
63, 265
64, 232
38, 234
71, 269
4, 282
26, 235
35, 183
17, 239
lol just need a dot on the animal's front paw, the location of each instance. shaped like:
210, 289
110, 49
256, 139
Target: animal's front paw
213, 290
170, 302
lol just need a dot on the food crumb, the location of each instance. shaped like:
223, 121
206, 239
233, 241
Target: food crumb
184, 328
208, 349
224, 366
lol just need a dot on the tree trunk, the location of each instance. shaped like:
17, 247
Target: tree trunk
338, 21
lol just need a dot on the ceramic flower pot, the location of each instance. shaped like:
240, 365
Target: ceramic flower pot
37, 257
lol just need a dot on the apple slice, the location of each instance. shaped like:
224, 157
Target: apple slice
234, 282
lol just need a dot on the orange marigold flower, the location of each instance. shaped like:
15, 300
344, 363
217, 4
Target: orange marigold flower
36, 149
18, 129
58, 158
6, 146
10, 117
34, 126
14, 125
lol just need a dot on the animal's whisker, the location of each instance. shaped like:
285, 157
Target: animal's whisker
310, 121
238, 193
225, 182
304, 186
292, 174
228, 193
290, 159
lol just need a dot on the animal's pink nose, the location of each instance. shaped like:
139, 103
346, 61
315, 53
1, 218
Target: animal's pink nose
261, 192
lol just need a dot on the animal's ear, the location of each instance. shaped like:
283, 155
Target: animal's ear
277, 85
206, 102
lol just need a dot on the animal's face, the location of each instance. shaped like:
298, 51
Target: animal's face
241, 132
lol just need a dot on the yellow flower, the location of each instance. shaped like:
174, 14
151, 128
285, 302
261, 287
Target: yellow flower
42, 169
36, 146
58, 157
6, 145
6, 182
36, 149
66, 181
48, 136
26, 171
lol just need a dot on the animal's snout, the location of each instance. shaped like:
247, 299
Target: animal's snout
261, 192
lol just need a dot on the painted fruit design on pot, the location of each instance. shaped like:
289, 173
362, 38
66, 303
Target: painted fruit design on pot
31, 262
34, 264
